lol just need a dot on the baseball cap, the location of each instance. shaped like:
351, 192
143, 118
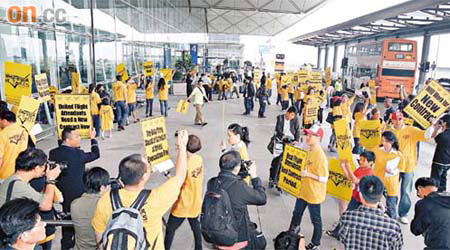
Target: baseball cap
397, 115
315, 130
335, 98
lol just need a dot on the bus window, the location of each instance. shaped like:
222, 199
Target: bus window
397, 72
404, 47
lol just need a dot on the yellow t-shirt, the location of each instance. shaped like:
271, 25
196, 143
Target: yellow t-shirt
221, 84
95, 100
359, 116
290, 89
159, 201
312, 191
346, 112
228, 84
13, 140
189, 203
164, 93
392, 183
149, 92
269, 84
284, 94
106, 117
297, 94
278, 86
407, 137
131, 97
119, 90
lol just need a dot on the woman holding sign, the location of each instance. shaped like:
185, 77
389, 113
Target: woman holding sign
163, 89
359, 114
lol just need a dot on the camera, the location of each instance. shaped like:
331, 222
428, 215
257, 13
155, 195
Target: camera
52, 164
245, 165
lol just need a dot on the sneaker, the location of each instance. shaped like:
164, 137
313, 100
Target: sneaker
403, 220
330, 233
270, 184
311, 246
204, 124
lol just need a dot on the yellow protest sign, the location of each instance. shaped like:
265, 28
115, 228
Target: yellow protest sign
156, 145
294, 78
370, 133
27, 112
76, 83
284, 80
303, 75
291, 170
182, 107
42, 87
408, 121
18, 81
429, 104
328, 76
338, 185
316, 80
167, 74
73, 111
311, 113
257, 76
122, 71
373, 92
343, 139
149, 70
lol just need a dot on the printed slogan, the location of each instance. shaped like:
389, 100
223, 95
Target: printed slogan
370, 133
73, 111
17, 82
291, 170
338, 185
155, 142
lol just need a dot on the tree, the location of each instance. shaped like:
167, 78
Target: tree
184, 64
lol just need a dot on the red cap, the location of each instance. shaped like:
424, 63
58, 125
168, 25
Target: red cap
335, 98
315, 130
397, 115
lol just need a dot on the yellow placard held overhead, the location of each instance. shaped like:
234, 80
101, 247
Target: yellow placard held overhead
316, 80
18, 82
291, 170
182, 107
167, 74
328, 76
156, 145
338, 185
257, 76
311, 113
76, 83
73, 111
27, 112
149, 69
303, 75
343, 137
370, 133
122, 71
42, 87
373, 92
429, 104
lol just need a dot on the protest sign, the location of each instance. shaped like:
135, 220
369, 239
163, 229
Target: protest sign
373, 92
122, 71
42, 87
370, 133
182, 107
328, 76
149, 70
73, 111
167, 74
311, 112
76, 83
408, 121
257, 76
156, 145
343, 139
303, 75
429, 104
291, 170
18, 82
338, 185
27, 112
316, 80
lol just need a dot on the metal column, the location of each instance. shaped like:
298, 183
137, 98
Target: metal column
335, 57
319, 51
325, 64
423, 60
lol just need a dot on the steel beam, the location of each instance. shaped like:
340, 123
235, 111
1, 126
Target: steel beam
335, 57
423, 60
319, 51
325, 64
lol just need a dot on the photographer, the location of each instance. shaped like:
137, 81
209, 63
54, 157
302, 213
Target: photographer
71, 181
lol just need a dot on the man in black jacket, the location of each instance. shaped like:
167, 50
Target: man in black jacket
249, 94
441, 159
287, 130
70, 182
241, 195
432, 214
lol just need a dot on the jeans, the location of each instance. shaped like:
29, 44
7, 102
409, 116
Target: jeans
247, 104
262, 106
275, 168
121, 113
284, 105
269, 94
149, 107
404, 205
439, 174
357, 149
96, 122
172, 226
297, 106
316, 219
252, 103
291, 97
391, 206
163, 107
279, 99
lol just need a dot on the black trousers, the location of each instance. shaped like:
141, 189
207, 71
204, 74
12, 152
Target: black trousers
439, 174
275, 168
172, 226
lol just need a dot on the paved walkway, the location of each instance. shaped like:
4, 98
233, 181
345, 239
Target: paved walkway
273, 217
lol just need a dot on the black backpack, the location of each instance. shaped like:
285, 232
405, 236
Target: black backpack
286, 241
217, 218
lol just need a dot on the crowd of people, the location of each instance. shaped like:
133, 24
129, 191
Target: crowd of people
109, 213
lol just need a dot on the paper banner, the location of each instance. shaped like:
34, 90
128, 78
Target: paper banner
73, 111
122, 70
182, 106
370, 133
18, 82
156, 145
291, 170
343, 137
42, 87
429, 104
149, 69
338, 185
167, 74
27, 112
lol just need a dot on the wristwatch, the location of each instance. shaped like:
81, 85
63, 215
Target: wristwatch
51, 182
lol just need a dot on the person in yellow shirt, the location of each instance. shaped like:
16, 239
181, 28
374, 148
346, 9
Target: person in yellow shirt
387, 169
359, 114
149, 95
189, 203
314, 186
408, 137
291, 92
346, 103
221, 89
278, 81
120, 98
134, 172
107, 117
95, 101
163, 91
131, 98
269, 87
238, 138
13, 140
228, 86
284, 97
298, 98
337, 114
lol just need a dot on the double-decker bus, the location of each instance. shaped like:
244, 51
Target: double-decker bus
390, 62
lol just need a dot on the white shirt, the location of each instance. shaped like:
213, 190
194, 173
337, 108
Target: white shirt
287, 128
206, 80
